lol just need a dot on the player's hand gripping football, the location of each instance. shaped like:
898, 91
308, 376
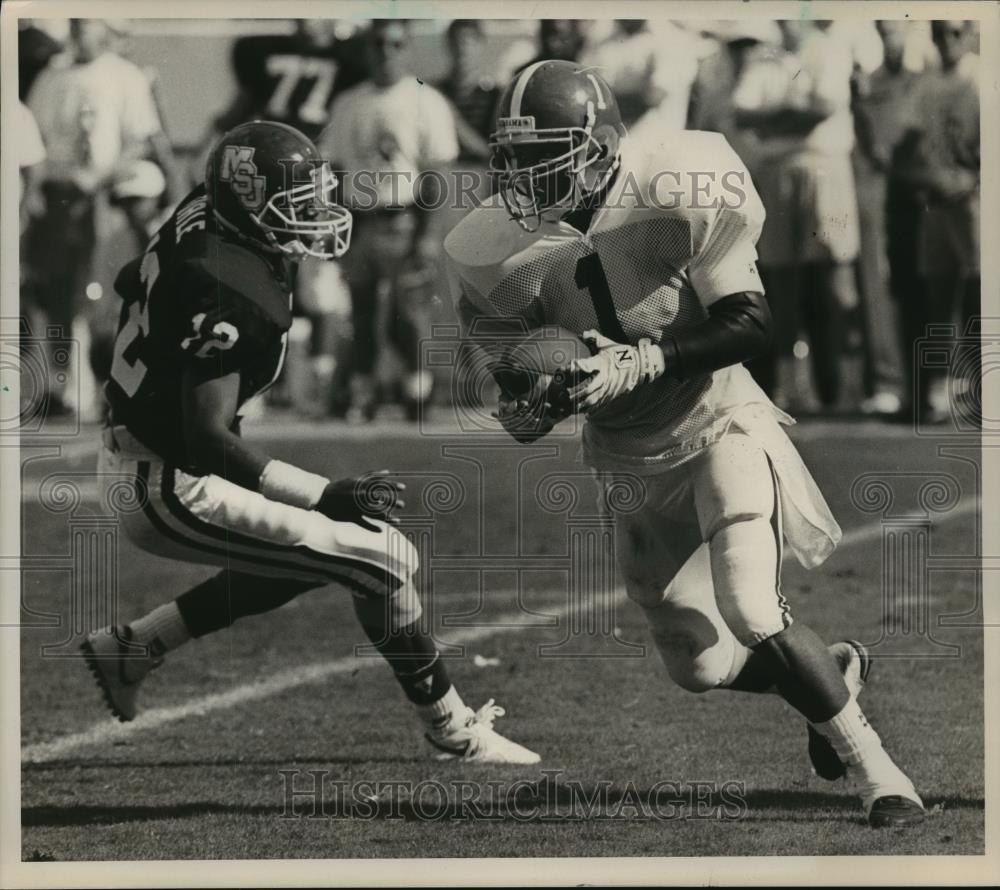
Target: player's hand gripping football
529, 411
525, 414
613, 370
373, 496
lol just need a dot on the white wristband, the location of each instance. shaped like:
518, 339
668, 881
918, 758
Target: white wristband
290, 485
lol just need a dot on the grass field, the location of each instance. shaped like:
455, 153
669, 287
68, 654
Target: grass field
203, 773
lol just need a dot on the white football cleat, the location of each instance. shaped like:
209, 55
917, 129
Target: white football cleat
474, 739
119, 667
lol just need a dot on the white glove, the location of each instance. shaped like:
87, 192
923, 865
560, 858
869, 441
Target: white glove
617, 369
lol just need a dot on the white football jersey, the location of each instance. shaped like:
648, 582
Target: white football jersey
676, 232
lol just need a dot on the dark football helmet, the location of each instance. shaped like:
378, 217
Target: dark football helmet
267, 182
557, 139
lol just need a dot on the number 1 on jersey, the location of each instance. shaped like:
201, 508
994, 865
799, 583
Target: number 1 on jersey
591, 278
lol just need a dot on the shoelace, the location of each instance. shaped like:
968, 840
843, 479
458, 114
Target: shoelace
487, 714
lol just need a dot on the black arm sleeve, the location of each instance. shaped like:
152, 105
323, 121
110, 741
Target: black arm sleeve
738, 328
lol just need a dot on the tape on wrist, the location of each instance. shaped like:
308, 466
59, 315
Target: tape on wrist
652, 363
290, 485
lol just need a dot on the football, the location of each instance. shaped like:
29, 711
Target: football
542, 360
547, 350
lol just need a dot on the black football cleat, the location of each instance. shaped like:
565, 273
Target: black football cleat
895, 811
857, 666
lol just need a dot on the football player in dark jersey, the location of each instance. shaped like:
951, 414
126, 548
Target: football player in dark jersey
202, 331
293, 78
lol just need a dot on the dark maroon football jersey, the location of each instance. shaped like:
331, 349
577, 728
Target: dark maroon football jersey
197, 299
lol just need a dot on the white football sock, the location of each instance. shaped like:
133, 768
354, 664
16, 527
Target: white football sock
850, 734
869, 765
440, 715
164, 624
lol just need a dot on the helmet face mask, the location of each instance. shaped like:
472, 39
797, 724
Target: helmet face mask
320, 227
543, 172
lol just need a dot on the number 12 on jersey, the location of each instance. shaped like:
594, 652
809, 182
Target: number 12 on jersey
591, 278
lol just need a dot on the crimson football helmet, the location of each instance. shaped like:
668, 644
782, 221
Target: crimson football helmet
557, 139
267, 182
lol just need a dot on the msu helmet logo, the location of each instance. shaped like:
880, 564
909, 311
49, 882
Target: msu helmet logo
240, 171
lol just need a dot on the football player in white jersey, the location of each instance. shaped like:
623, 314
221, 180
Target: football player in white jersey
647, 253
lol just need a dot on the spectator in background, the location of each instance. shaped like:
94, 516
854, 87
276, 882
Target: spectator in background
888, 215
473, 94
799, 104
152, 187
385, 133
919, 53
651, 74
938, 156
30, 154
558, 39
35, 50
740, 45
99, 123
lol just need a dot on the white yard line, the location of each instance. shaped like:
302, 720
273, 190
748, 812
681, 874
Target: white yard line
85, 443
965, 507
107, 732
80, 450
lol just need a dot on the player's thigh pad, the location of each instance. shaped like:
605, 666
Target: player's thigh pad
696, 645
653, 542
735, 494
207, 519
222, 504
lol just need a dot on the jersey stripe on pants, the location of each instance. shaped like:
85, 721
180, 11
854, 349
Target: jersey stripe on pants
208, 520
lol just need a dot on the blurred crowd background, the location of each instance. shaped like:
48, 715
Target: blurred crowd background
862, 139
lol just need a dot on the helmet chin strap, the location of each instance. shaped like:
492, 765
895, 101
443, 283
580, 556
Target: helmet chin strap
271, 245
609, 175
295, 250
588, 194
